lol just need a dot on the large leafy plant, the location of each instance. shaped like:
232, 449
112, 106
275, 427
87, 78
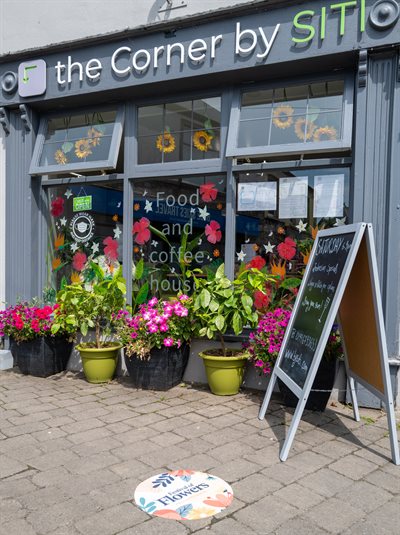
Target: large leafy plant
220, 304
92, 306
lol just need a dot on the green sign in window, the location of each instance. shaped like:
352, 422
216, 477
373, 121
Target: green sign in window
82, 203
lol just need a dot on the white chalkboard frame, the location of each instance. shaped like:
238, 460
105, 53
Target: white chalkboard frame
360, 230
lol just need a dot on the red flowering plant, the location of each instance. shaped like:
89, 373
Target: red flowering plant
26, 321
156, 324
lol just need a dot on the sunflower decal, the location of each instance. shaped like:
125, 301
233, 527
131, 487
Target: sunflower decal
94, 136
304, 129
325, 133
60, 157
165, 142
83, 148
202, 140
283, 116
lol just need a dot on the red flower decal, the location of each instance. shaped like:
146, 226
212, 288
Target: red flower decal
111, 248
257, 262
208, 192
141, 229
213, 232
79, 261
261, 300
220, 500
57, 207
287, 249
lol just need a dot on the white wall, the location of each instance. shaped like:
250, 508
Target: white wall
2, 218
26, 24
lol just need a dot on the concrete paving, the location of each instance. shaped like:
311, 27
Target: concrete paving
72, 454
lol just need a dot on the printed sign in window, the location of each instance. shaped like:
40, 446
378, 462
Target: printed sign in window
293, 195
257, 196
328, 196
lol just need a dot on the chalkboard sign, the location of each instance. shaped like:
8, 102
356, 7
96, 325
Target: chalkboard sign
341, 278
319, 288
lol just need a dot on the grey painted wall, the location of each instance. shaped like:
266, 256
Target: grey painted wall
48, 22
2, 220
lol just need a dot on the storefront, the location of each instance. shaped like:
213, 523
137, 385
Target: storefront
224, 141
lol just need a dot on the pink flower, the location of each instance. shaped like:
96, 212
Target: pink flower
287, 249
258, 262
57, 207
184, 297
141, 229
168, 342
79, 260
111, 248
208, 192
213, 232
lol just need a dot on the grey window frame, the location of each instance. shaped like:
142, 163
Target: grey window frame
233, 151
109, 164
209, 166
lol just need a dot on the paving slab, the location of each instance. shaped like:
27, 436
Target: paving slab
72, 454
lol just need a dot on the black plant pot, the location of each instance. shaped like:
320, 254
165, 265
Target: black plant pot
162, 371
324, 380
41, 357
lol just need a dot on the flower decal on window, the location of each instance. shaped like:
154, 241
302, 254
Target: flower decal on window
79, 261
213, 232
258, 262
166, 142
304, 129
83, 148
57, 207
287, 249
202, 140
283, 117
208, 192
60, 157
325, 133
141, 229
111, 248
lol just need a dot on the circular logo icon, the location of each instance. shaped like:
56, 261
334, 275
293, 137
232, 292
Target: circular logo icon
183, 495
82, 227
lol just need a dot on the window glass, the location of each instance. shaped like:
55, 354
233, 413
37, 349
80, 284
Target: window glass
290, 115
85, 225
179, 131
179, 224
79, 138
280, 212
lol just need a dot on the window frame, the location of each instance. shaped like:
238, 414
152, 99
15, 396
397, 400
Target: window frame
345, 144
109, 164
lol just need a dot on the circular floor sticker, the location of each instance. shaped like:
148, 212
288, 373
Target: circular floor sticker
183, 495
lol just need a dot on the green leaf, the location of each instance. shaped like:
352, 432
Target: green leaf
214, 305
139, 269
55, 328
205, 298
237, 323
247, 301
219, 322
121, 287
220, 272
67, 147
210, 333
84, 328
291, 282
160, 234
63, 283
142, 294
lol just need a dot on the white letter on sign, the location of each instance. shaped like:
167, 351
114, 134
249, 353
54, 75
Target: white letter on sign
120, 72
246, 34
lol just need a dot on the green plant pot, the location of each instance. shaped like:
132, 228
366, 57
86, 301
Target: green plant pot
225, 374
99, 364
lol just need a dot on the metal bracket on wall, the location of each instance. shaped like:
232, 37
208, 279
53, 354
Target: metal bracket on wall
362, 68
5, 120
172, 4
26, 117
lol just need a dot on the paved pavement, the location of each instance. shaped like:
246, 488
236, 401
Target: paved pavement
72, 454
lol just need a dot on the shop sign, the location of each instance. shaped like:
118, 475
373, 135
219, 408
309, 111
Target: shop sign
82, 227
82, 203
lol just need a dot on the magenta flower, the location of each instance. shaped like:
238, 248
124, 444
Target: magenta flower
168, 342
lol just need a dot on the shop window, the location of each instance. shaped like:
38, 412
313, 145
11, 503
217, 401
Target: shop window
179, 224
85, 141
85, 226
292, 119
179, 131
280, 212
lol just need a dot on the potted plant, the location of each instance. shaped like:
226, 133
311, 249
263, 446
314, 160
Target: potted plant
264, 346
94, 306
156, 341
36, 351
220, 304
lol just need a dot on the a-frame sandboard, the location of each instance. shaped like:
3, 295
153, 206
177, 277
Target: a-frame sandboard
341, 280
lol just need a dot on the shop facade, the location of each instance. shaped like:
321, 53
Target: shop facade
222, 139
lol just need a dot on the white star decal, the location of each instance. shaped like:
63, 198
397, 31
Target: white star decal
203, 213
172, 270
340, 222
241, 256
119, 204
148, 207
193, 211
95, 248
63, 221
144, 193
270, 234
117, 233
301, 227
200, 242
68, 193
269, 248
154, 243
248, 240
74, 247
